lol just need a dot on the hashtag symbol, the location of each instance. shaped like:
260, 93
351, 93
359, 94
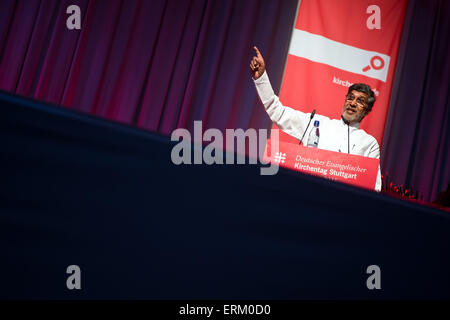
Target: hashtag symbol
280, 157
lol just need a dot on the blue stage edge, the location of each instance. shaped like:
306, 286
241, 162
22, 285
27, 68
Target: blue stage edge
79, 190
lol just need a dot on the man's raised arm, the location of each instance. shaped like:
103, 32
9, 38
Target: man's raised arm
291, 121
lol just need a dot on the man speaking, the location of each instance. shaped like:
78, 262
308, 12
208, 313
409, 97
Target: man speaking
343, 135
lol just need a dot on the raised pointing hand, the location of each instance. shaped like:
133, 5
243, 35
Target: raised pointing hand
257, 65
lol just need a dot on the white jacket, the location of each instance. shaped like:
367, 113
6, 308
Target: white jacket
333, 133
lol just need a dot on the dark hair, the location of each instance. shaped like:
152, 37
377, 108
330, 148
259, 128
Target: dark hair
362, 87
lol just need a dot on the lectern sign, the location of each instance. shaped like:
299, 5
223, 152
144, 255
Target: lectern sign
342, 167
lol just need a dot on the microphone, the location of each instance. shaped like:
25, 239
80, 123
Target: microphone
348, 133
310, 118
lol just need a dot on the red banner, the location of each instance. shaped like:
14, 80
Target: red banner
342, 167
336, 43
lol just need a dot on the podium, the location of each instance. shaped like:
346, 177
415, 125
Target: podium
348, 168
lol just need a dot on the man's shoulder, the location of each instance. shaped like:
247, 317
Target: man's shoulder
367, 137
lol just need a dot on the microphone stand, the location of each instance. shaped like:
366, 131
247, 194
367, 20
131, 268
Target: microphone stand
310, 118
348, 133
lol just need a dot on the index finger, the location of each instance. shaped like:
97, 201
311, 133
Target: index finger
257, 52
